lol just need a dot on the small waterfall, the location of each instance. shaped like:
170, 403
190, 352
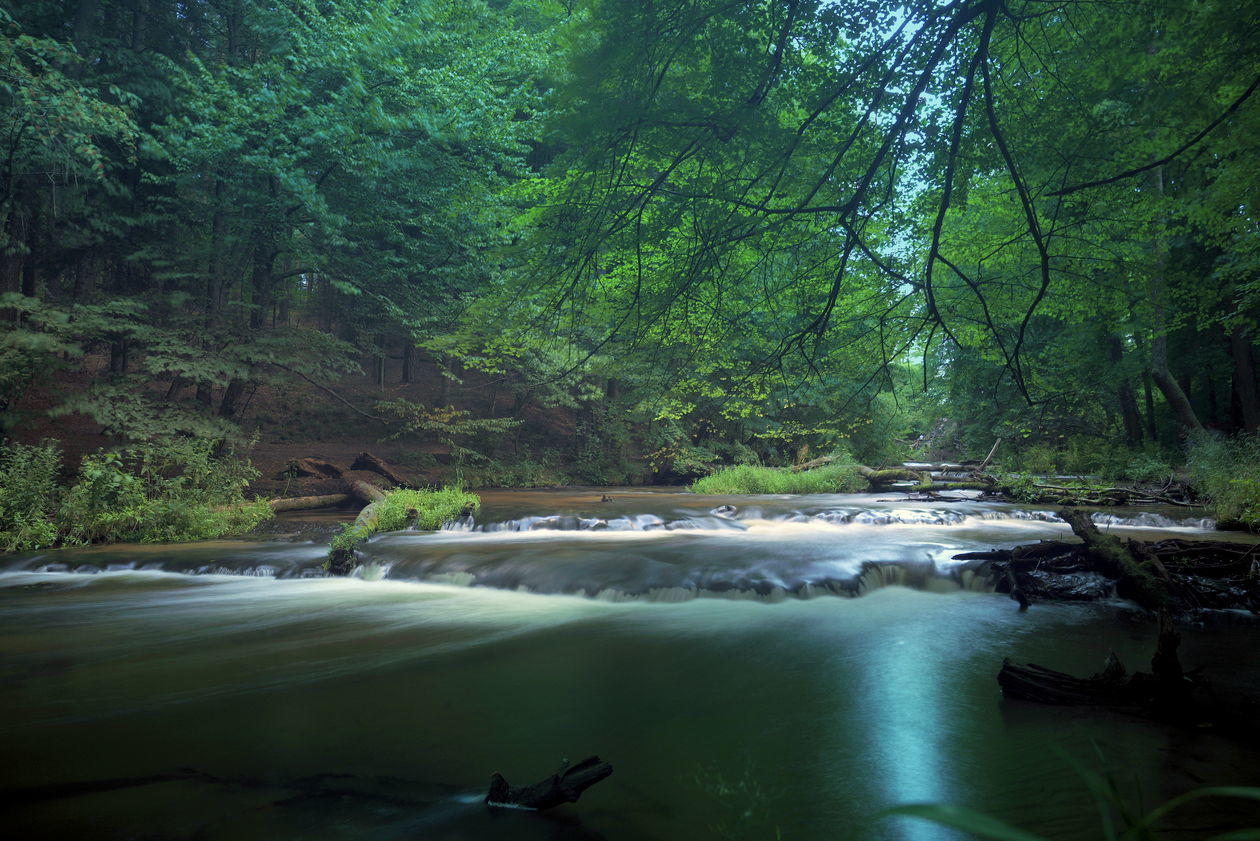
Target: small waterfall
727, 517
752, 552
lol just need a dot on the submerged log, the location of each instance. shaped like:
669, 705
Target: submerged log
1046, 686
564, 786
1167, 693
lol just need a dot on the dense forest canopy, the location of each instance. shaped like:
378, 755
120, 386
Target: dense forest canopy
727, 228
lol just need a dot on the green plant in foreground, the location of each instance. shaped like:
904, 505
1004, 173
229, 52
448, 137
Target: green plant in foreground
749, 479
1119, 820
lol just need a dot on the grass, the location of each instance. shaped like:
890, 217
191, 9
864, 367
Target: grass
748, 479
1226, 473
429, 509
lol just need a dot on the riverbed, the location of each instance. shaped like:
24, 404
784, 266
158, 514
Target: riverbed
783, 670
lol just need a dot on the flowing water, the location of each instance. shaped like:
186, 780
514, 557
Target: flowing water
717, 658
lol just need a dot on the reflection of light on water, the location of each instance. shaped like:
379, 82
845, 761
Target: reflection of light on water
906, 684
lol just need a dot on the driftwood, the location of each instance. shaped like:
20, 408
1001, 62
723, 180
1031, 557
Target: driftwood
341, 559
310, 467
1139, 574
1167, 693
810, 465
299, 503
896, 474
1192, 575
367, 461
564, 786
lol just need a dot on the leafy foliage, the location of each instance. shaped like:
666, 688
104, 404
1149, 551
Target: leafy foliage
149, 493
28, 495
1226, 473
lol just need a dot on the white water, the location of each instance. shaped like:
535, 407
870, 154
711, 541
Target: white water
723, 718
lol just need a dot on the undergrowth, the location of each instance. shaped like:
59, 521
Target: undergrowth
1225, 472
749, 479
150, 493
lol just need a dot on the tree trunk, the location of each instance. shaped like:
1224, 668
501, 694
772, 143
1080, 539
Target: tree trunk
1124, 392
1245, 378
1157, 290
231, 397
1175, 397
408, 361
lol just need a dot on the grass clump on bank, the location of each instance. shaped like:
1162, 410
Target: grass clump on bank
1226, 473
148, 493
749, 479
428, 510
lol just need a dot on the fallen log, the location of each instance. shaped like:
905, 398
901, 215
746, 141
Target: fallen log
564, 786
367, 461
1137, 577
310, 467
341, 554
300, 503
1167, 693
1040, 685
887, 477
810, 465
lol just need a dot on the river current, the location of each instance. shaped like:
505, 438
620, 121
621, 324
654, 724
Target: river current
783, 670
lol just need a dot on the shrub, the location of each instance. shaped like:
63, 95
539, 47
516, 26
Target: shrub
160, 493
1226, 473
28, 495
748, 479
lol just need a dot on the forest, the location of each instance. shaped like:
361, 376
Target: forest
644, 240
791, 249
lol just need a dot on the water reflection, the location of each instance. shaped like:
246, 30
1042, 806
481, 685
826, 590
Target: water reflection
362, 710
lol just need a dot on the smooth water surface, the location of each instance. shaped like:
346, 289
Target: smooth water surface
711, 663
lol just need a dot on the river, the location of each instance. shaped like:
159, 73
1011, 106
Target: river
719, 660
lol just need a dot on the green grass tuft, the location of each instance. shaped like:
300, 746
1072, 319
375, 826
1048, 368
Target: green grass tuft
748, 479
429, 509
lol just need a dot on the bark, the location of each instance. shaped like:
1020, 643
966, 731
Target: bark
231, 397
300, 503
884, 477
310, 467
1173, 393
1146, 583
342, 560
1245, 378
1157, 288
1124, 392
990, 456
564, 786
367, 461
408, 362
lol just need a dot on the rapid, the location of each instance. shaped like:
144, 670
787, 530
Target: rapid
755, 667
